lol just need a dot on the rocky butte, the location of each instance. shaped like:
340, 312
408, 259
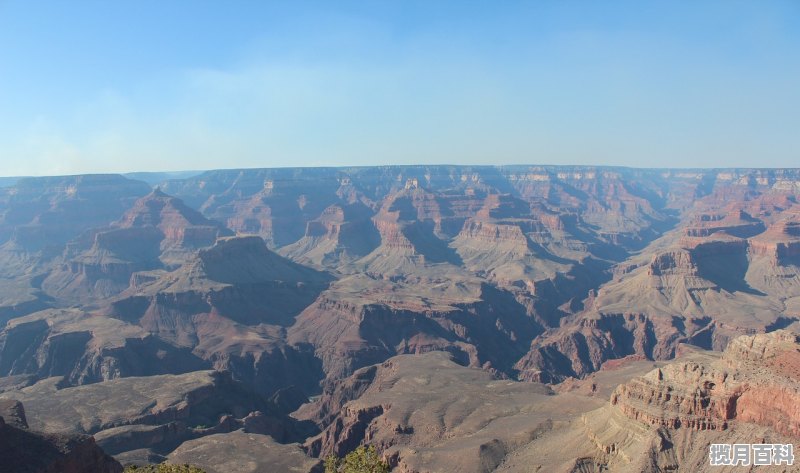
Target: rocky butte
477, 318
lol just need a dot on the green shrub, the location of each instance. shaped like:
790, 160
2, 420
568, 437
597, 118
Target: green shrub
361, 460
163, 468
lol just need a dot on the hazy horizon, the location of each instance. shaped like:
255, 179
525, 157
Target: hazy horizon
91, 87
186, 173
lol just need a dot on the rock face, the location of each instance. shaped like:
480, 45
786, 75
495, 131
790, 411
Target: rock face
342, 234
780, 243
361, 321
699, 287
23, 450
756, 380
182, 227
158, 232
83, 348
229, 305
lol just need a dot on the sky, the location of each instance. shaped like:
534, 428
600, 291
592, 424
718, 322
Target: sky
152, 85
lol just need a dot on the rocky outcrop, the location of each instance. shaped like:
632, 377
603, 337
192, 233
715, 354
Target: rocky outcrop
157, 232
180, 225
584, 349
360, 321
346, 432
23, 450
757, 380
224, 309
673, 262
736, 223
82, 348
157, 413
335, 395
342, 234
246, 260
229, 305
698, 289
780, 243
493, 233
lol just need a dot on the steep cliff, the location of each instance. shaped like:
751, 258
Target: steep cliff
756, 380
23, 450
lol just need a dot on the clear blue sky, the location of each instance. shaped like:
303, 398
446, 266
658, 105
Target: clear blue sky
135, 85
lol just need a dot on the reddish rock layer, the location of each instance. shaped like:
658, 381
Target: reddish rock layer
756, 380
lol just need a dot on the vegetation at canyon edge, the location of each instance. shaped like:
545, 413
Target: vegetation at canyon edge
163, 468
361, 460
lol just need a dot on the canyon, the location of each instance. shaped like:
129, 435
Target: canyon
479, 318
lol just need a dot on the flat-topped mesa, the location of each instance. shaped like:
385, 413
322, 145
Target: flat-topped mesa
274, 204
677, 262
689, 259
780, 243
760, 349
736, 223
402, 233
334, 220
416, 203
234, 246
445, 211
757, 380
393, 212
490, 232
719, 245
